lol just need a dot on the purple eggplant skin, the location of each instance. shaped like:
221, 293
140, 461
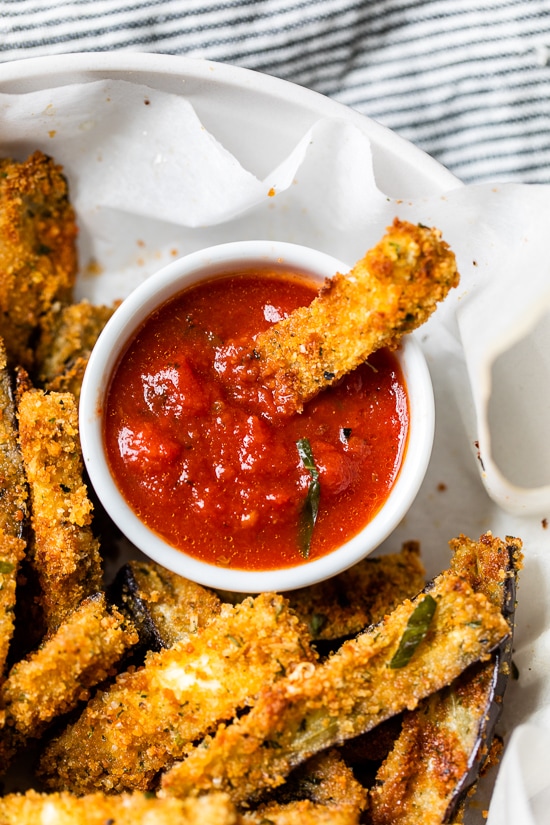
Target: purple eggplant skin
15, 518
165, 607
125, 593
14, 511
499, 670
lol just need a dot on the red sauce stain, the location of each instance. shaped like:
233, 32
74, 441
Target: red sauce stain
199, 455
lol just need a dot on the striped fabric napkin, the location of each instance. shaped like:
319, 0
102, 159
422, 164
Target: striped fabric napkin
467, 82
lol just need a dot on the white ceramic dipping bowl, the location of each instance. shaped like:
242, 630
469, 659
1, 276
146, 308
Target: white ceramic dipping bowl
120, 330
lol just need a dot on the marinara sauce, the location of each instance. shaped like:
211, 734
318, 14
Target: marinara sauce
200, 456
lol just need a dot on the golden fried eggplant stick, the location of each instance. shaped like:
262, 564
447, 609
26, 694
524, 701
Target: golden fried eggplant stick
430, 755
13, 507
350, 693
64, 552
431, 758
323, 790
352, 600
390, 292
38, 258
165, 607
129, 732
14, 499
32, 808
303, 812
68, 335
12, 551
55, 678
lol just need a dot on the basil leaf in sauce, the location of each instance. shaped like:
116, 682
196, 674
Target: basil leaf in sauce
308, 516
417, 627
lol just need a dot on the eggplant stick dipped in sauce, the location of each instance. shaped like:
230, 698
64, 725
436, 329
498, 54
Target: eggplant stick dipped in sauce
391, 291
388, 293
201, 398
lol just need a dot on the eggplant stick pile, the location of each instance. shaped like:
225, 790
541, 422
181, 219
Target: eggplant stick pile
354, 690
391, 291
151, 698
129, 732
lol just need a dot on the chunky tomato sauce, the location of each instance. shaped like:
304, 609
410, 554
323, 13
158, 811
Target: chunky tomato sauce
198, 453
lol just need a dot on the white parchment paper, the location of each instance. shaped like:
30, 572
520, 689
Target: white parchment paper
149, 182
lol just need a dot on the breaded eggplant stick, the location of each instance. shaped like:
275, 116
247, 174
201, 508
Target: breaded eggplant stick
348, 694
55, 678
13, 507
303, 813
390, 292
64, 552
38, 258
324, 789
68, 335
12, 551
33, 808
164, 607
143, 722
428, 758
442, 742
14, 498
347, 603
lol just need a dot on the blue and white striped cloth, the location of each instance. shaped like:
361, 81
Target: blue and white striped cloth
468, 81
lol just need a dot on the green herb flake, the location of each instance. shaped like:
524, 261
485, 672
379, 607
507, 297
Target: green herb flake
417, 628
317, 623
6, 567
310, 509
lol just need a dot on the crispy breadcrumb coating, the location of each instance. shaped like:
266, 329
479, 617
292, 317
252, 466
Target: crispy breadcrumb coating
64, 551
164, 606
430, 755
68, 335
38, 257
33, 808
56, 677
14, 498
390, 292
302, 812
324, 789
352, 600
12, 551
144, 721
348, 694
429, 764
485, 563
